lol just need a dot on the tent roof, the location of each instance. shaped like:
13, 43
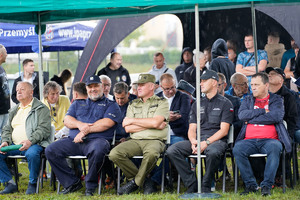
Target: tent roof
25, 11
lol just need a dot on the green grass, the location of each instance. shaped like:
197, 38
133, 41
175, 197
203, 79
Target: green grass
48, 193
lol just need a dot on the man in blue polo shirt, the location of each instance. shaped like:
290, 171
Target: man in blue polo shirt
92, 124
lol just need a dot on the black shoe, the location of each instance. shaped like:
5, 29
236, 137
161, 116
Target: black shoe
31, 189
205, 189
192, 188
128, 188
251, 189
73, 188
149, 186
9, 189
89, 192
265, 191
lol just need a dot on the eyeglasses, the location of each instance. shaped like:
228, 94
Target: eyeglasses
168, 89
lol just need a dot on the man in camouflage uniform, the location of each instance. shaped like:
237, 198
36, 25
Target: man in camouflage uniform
146, 122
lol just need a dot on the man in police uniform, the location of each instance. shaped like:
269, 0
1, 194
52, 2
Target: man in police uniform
216, 117
146, 122
92, 123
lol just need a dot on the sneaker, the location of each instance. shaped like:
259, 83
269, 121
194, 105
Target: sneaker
213, 186
265, 191
31, 189
149, 186
9, 189
128, 188
251, 189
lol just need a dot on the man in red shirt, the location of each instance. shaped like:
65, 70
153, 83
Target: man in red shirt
262, 132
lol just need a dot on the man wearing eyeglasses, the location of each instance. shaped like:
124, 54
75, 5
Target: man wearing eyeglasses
239, 86
92, 124
179, 106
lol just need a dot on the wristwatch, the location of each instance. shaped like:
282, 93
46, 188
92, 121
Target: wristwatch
207, 142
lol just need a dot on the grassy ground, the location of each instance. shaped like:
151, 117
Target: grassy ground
48, 193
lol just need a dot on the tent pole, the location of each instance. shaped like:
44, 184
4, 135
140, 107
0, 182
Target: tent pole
199, 194
19, 62
41, 79
254, 34
197, 39
58, 67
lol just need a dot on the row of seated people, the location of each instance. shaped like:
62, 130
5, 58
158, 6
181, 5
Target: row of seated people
92, 123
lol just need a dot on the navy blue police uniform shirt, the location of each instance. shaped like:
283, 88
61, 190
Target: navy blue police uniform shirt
89, 111
213, 111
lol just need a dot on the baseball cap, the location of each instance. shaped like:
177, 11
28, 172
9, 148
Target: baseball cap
278, 70
92, 79
209, 74
184, 85
145, 78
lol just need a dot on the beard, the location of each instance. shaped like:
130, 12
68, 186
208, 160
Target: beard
94, 97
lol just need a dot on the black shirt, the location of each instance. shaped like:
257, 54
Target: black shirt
213, 111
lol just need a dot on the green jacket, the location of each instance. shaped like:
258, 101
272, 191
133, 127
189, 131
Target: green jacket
38, 124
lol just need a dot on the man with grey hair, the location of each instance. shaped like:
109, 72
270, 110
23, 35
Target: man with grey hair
57, 104
106, 83
92, 124
28, 125
4, 90
190, 73
239, 86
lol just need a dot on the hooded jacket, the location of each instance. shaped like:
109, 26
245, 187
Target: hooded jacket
275, 53
179, 71
247, 113
220, 62
37, 127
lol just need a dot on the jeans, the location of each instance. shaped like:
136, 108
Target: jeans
94, 149
33, 156
3, 121
157, 171
244, 148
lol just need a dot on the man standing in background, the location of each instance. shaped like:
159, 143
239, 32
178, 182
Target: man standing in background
4, 90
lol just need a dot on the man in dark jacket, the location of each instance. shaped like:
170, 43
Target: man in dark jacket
263, 132
187, 61
4, 90
276, 80
220, 62
115, 71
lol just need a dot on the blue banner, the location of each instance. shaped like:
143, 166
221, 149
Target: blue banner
21, 38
